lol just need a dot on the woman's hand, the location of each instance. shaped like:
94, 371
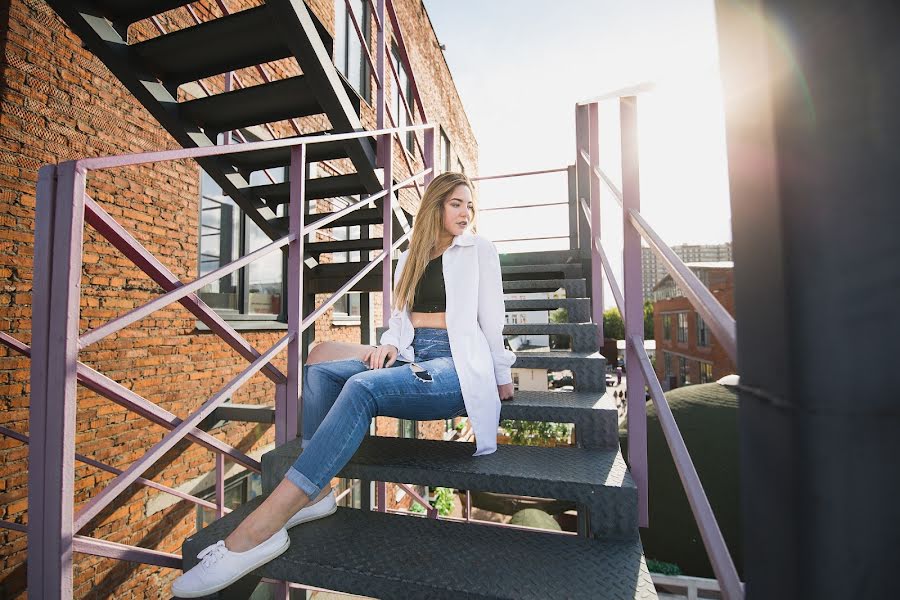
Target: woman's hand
376, 357
506, 391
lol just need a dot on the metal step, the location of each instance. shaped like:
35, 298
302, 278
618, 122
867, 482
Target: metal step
596, 479
255, 105
235, 41
575, 288
343, 246
125, 12
281, 157
546, 271
320, 187
540, 257
362, 216
583, 335
401, 557
589, 369
579, 308
594, 415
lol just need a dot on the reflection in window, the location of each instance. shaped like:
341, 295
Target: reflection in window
349, 57
226, 234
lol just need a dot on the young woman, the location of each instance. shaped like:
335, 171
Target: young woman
442, 356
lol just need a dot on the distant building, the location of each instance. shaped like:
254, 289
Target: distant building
686, 351
653, 271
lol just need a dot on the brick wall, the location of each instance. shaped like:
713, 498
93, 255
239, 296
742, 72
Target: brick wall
58, 102
721, 284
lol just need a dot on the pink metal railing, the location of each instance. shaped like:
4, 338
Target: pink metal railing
63, 208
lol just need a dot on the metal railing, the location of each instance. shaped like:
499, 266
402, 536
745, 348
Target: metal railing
629, 300
63, 208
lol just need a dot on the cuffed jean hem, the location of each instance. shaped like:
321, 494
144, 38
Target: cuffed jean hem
303, 482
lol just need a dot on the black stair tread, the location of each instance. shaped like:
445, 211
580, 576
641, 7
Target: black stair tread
126, 12
362, 216
320, 187
344, 246
541, 285
546, 328
242, 39
281, 157
568, 355
357, 552
540, 257
255, 105
566, 473
545, 271
540, 303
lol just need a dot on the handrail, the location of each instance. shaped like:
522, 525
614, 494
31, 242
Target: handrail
519, 174
632, 90
713, 540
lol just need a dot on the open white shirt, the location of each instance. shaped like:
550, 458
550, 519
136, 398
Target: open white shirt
475, 319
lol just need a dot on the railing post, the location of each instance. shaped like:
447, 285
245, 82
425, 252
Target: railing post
574, 208
387, 237
380, 102
428, 159
594, 178
220, 485
634, 306
582, 177
54, 361
287, 424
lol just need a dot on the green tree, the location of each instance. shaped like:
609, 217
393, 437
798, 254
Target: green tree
648, 320
613, 325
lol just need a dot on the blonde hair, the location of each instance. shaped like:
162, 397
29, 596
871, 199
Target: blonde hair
427, 227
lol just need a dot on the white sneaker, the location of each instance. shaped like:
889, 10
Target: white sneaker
322, 508
219, 567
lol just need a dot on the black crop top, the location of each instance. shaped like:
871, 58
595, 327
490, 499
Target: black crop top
431, 295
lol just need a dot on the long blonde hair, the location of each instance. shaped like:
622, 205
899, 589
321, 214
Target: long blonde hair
428, 225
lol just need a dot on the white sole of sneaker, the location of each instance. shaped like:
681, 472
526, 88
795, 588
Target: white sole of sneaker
311, 517
221, 586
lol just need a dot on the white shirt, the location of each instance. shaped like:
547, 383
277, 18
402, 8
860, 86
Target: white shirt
475, 319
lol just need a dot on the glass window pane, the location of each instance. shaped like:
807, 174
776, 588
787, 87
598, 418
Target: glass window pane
219, 245
264, 274
340, 36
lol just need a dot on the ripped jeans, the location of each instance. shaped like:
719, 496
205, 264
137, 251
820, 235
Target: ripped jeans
340, 398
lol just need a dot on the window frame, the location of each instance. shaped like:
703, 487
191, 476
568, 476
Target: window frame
446, 149
704, 367
240, 318
342, 37
667, 327
702, 333
401, 118
681, 328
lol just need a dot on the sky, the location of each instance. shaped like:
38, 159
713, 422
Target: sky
520, 68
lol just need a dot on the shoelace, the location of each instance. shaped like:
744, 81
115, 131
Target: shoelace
211, 554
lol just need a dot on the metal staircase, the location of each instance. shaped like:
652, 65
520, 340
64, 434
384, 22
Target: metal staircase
152, 70
363, 551
393, 556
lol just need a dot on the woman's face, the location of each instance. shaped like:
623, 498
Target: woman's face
458, 210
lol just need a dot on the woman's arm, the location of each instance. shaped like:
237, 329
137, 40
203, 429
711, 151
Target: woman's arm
392, 335
491, 309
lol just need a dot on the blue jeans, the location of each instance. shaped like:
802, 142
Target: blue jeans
340, 398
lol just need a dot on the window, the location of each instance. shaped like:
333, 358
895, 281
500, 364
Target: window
445, 151
667, 327
401, 118
239, 490
667, 360
706, 372
352, 499
255, 292
684, 374
459, 166
682, 327
407, 428
702, 332
349, 56
347, 307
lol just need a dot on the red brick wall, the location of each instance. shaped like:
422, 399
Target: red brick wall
58, 102
721, 283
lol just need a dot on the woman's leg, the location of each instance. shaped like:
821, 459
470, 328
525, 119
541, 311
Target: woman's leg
395, 392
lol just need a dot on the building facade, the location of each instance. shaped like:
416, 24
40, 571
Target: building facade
686, 350
58, 102
653, 271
